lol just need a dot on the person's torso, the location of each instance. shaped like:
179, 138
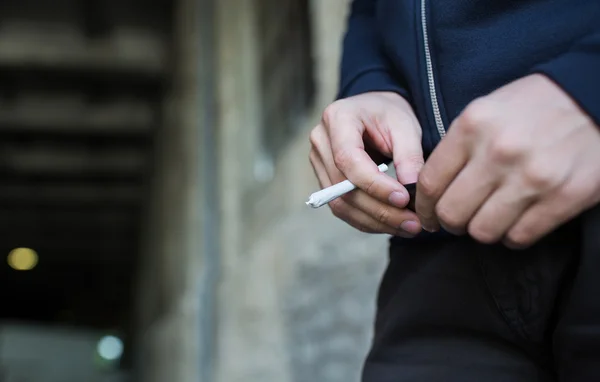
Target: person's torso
453, 51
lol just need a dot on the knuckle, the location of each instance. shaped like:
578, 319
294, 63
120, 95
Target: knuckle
315, 136
413, 161
506, 150
448, 218
426, 185
475, 115
383, 215
330, 112
343, 158
538, 176
370, 189
482, 234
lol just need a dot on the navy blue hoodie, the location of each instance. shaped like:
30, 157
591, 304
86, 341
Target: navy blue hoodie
442, 54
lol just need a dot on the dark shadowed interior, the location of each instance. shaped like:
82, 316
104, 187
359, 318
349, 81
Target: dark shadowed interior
81, 88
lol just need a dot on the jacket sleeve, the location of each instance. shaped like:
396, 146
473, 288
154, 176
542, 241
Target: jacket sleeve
578, 73
365, 67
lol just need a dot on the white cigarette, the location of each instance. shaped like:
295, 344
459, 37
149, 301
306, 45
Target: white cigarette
326, 195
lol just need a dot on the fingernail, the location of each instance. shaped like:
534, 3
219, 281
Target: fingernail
410, 226
513, 246
453, 231
429, 229
398, 199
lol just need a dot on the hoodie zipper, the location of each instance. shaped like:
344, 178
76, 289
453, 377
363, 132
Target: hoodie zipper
437, 115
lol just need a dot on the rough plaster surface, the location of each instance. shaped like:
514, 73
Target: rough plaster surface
303, 305
298, 287
329, 301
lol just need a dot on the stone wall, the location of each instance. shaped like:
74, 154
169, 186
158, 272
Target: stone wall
298, 287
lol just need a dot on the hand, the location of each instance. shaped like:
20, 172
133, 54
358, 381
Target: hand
381, 123
514, 165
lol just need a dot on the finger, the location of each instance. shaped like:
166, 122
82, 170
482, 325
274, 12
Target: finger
354, 163
323, 150
319, 169
391, 220
407, 153
446, 161
324, 158
539, 220
362, 221
463, 198
499, 213
397, 218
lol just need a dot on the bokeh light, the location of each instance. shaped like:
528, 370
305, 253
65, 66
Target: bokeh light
22, 259
110, 348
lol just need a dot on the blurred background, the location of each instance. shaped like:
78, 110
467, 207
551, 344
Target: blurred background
153, 173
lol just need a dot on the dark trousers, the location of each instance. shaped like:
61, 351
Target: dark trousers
458, 311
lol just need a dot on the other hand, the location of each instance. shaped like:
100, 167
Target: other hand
381, 124
514, 166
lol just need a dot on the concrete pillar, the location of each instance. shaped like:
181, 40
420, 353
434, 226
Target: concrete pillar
244, 303
175, 286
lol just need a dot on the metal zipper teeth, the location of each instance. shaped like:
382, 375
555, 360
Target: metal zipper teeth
439, 123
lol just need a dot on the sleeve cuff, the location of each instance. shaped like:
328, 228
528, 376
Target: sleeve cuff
577, 73
372, 80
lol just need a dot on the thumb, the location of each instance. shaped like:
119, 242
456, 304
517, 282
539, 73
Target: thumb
407, 153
